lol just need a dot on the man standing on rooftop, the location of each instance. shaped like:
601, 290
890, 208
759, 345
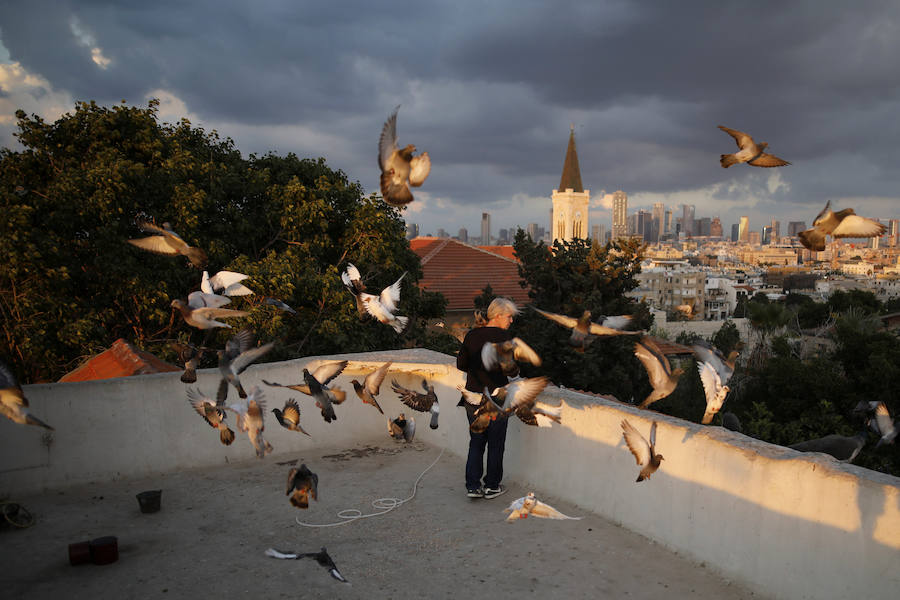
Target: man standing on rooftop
500, 314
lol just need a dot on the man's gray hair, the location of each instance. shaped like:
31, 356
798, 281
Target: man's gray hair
502, 306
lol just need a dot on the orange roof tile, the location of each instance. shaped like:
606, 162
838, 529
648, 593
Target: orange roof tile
119, 360
460, 272
504, 251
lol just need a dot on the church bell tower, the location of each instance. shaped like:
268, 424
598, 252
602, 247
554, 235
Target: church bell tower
571, 200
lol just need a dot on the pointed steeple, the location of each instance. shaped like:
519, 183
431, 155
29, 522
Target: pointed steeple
571, 175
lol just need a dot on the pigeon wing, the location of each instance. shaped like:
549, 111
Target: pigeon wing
561, 319
636, 443
373, 380
522, 352
768, 160
655, 364
883, 418
390, 295
292, 474
419, 167
548, 512
156, 244
524, 391
854, 226
489, 356
325, 373
7, 379
812, 239
387, 143
248, 357
742, 139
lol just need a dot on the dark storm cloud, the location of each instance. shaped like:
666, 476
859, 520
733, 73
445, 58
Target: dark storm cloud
490, 90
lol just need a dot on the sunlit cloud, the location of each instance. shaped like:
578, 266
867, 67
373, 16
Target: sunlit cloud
87, 40
27, 91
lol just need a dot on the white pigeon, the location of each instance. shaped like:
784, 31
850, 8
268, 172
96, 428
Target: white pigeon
531, 506
715, 371
886, 427
383, 306
227, 283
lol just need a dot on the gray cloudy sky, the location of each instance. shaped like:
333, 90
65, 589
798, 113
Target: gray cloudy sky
489, 90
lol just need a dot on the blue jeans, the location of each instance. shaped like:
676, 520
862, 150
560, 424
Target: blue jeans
494, 438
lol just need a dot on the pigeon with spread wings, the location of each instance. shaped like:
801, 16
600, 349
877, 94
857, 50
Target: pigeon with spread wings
251, 412
289, 416
13, 403
168, 243
507, 354
715, 371
749, 152
399, 166
383, 306
427, 402
519, 397
841, 224
584, 331
353, 281
371, 386
663, 379
213, 412
324, 394
196, 314
321, 557
240, 353
644, 453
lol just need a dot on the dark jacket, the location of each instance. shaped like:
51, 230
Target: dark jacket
469, 359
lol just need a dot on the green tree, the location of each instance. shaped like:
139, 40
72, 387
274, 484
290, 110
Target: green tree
70, 285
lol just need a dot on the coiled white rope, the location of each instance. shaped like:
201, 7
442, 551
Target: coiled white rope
383, 505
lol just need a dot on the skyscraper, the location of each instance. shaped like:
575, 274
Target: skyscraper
744, 231
687, 219
735, 232
894, 232
620, 215
668, 229
715, 228
464, 235
776, 231
795, 227
659, 215
412, 230
598, 234
485, 229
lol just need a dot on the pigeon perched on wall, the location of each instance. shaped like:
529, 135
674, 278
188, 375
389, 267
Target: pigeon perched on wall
213, 412
371, 385
399, 166
644, 453
427, 402
302, 484
750, 152
226, 283
529, 506
715, 371
204, 317
168, 243
289, 416
507, 354
13, 403
584, 331
251, 413
841, 224
663, 379
842, 447
353, 281
320, 557
322, 375
240, 353
402, 428
383, 306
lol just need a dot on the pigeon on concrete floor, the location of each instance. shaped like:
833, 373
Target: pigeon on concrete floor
371, 385
251, 413
168, 243
750, 152
644, 453
531, 506
399, 166
663, 379
383, 306
321, 557
842, 447
213, 412
322, 376
302, 484
240, 353
842, 224
507, 354
13, 403
427, 402
353, 280
402, 428
584, 331
289, 416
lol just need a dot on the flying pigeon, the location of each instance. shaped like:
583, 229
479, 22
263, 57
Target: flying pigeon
382, 307
239, 353
663, 379
371, 385
519, 397
207, 300
289, 416
204, 317
750, 152
487, 410
190, 355
251, 411
213, 412
584, 331
402, 428
169, 243
226, 283
322, 375
427, 402
398, 165
280, 305
886, 426
531, 506
842, 224
321, 557
844, 448
353, 281
644, 453
304, 484
715, 371
13, 403
506, 354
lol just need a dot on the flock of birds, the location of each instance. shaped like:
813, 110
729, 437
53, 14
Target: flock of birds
400, 169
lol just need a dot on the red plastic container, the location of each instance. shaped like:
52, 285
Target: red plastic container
79, 553
105, 550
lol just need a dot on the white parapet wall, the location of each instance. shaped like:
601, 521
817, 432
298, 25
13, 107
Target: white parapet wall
786, 524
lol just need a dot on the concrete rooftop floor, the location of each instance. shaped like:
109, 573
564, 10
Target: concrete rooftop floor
209, 538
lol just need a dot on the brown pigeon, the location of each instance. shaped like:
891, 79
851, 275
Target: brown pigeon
399, 166
750, 152
644, 453
842, 224
169, 243
13, 403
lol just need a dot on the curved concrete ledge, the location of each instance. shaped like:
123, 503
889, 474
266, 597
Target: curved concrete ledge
787, 524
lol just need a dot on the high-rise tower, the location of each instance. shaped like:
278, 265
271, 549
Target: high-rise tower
620, 215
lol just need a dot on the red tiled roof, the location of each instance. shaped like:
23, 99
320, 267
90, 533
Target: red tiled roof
460, 272
670, 348
504, 251
119, 360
